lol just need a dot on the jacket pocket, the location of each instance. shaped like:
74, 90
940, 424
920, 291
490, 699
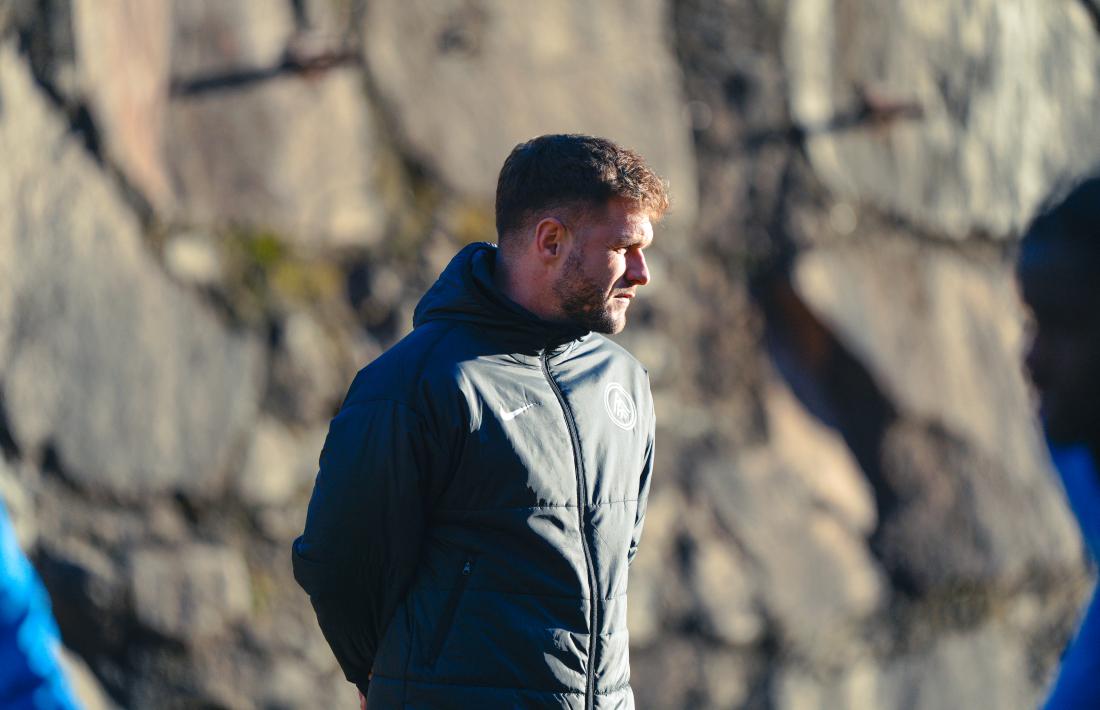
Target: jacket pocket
446, 619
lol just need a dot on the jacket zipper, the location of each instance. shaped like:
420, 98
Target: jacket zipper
578, 464
446, 619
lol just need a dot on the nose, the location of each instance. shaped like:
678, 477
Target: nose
637, 272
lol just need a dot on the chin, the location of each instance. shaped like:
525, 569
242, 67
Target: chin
607, 320
612, 323
607, 326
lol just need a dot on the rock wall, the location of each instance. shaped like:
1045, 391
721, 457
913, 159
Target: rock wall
213, 213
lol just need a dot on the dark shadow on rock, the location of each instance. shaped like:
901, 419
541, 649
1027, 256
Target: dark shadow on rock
1092, 7
90, 609
46, 40
8, 445
836, 388
931, 538
293, 63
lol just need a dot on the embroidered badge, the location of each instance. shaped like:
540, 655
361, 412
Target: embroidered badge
620, 407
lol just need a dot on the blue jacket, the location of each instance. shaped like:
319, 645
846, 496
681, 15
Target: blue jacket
30, 674
1078, 683
480, 495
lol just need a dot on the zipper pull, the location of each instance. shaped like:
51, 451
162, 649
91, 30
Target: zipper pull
466, 569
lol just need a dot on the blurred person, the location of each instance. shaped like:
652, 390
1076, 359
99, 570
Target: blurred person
481, 491
1059, 275
30, 668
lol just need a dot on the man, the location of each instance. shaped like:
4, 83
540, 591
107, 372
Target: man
1059, 273
482, 490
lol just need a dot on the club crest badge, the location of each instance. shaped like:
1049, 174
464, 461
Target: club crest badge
620, 407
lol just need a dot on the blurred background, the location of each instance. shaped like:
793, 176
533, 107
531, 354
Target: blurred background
213, 212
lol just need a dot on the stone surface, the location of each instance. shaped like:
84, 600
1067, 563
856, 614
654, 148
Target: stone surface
985, 667
291, 685
466, 81
132, 385
307, 381
1006, 90
18, 503
951, 363
291, 154
652, 669
250, 143
190, 592
657, 596
726, 593
726, 678
801, 511
107, 66
123, 52
192, 102
954, 356
193, 259
799, 690
88, 592
85, 685
820, 459
212, 38
281, 464
959, 519
14, 13
817, 579
46, 33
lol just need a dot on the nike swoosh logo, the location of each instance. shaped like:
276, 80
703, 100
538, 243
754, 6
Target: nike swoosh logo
509, 416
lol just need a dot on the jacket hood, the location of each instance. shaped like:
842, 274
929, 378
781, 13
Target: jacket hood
466, 291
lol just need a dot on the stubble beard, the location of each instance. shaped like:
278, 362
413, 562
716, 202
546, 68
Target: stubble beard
584, 302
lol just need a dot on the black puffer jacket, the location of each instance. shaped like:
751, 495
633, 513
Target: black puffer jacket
480, 496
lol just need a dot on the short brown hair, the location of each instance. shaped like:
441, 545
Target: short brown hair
572, 172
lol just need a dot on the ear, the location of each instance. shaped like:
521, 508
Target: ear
551, 239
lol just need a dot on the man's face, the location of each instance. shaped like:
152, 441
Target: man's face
1062, 291
604, 267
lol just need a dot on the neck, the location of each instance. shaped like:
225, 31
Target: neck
521, 286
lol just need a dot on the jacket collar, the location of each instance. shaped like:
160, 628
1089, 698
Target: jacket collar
466, 291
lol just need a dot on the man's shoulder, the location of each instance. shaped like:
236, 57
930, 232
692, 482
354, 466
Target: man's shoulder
609, 348
409, 364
